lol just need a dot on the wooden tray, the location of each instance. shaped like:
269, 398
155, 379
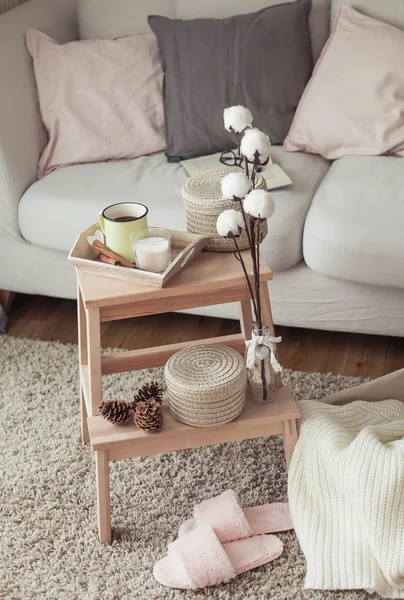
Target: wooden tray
185, 247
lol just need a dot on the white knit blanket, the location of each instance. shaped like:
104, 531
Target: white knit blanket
346, 494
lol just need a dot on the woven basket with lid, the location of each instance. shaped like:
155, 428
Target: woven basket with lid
206, 385
203, 202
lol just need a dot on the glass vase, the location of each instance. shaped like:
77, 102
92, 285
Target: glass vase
261, 377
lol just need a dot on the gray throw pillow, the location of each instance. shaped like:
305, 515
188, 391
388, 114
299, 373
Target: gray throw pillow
261, 60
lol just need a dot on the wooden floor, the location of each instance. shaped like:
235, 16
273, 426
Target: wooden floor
41, 318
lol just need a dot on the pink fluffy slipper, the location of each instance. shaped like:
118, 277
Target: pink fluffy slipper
198, 559
231, 522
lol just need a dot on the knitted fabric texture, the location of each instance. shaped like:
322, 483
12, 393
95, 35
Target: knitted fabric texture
346, 495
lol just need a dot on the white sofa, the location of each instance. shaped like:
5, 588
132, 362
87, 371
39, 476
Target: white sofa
335, 242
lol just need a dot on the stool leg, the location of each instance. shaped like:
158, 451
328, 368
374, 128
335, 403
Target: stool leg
94, 359
6, 299
267, 318
246, 319
81, 322
83, 359
103, 501
289, 438
85, 436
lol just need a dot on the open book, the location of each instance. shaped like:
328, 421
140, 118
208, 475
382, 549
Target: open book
274, 175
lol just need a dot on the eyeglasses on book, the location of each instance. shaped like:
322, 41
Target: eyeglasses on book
229, 158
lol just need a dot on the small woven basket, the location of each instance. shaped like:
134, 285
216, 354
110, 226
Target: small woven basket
206, 385
202, 195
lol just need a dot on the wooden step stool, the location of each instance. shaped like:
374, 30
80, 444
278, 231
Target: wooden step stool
212, 278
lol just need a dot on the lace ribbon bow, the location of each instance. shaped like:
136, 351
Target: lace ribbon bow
260, 340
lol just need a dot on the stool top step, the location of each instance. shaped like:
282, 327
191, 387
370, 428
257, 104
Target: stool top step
209, 272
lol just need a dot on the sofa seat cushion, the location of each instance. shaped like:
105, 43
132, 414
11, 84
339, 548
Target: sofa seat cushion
55, 209
283, 246
354, 229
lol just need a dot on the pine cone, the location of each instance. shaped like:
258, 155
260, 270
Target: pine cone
148, 415
149, 391
115, 411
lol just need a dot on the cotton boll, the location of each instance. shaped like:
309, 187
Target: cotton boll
259, 204
230, 223
237, 118
254, 141
235, 184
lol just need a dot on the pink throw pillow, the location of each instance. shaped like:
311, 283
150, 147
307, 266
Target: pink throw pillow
354, 102
99, 99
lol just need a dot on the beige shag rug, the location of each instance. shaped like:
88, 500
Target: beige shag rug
48, 535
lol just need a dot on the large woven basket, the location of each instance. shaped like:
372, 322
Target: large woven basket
203, 202
206, 385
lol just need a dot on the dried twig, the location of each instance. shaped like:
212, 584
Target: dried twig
250, 289
238, 142
245, 166
252, 228
239, 200
257, 258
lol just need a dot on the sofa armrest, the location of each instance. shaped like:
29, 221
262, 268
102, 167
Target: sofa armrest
22, 134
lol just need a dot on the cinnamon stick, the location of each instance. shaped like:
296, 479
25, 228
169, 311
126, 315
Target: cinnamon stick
109, 261
107, 252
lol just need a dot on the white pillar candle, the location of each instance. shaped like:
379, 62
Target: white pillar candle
152, 254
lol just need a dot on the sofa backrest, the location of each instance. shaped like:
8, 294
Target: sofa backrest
22, 135
111, 18
390, 11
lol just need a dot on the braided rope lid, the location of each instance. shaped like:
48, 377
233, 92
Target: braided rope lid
206, 385
205, 367
203, 201
204, 191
